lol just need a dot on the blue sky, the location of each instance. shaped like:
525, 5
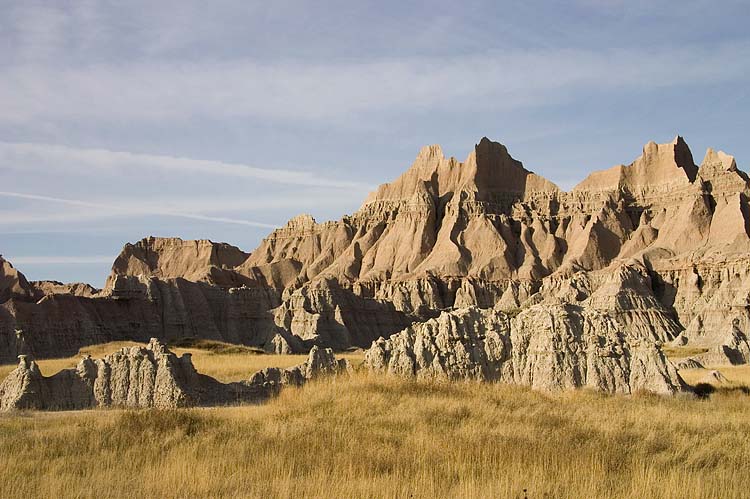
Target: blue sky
120, 120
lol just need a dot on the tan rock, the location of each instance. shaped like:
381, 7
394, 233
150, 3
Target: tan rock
660, 246
43, 288
714, 378
13, 284
660, 167
166, 258
149, 377
544, 347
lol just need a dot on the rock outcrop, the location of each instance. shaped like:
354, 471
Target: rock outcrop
149, 377
660, 246
44, 288
545, 347
167, 258
320, 362
714, 378
13, 284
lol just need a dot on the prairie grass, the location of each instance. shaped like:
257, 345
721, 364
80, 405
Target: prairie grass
218, 347
681, 352
735, 375
381, 437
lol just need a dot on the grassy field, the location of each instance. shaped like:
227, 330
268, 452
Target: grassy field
381, 437
375, 437
735, 375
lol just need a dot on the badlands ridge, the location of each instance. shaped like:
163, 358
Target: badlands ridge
477, 269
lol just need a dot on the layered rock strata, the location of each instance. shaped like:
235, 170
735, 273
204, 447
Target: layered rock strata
551, 348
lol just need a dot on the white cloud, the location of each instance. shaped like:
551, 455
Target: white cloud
47, 184
289, 90
28, 156
54, 209
96, 210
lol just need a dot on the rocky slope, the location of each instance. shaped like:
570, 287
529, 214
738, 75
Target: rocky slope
149, 377
660, 247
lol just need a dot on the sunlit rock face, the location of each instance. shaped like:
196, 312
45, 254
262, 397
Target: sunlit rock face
546, 347
659, 247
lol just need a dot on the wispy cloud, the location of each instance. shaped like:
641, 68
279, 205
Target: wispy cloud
293, 90
208, 191
108, 210
58, 260
28, 156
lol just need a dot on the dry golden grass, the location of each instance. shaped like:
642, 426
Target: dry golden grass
376, 437
681, 352
735, 375
381, 437
212, 360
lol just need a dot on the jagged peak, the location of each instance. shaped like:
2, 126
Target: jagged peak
719, 159
433, 151
496, 171
659, 164
6, 266
677, 151
303, 221
489, 148
13, 283
652, 147
720, 170
489, 170
489, 145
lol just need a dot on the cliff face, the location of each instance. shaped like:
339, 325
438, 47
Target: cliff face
660, 247
171, 258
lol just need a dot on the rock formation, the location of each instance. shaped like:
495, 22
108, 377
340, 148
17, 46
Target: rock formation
320, 362
44, 288
149, 377
659, 247
13, 284
714, 378
545, 347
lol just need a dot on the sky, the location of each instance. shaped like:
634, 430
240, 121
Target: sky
221, 120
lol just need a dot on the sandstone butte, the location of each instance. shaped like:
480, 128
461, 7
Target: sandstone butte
477, 269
